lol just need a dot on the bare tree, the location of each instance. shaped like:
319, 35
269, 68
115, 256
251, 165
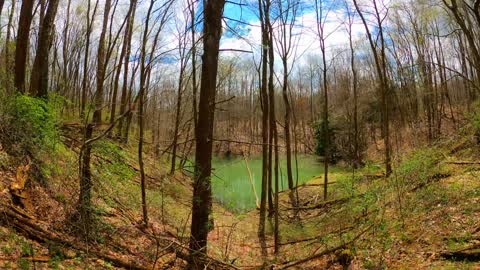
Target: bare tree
321, 15
357, 159
123, 57
183, 52
265, 128
286, 46
124, 100
379, 55
88, 33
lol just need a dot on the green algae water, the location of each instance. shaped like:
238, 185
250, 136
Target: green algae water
231, 182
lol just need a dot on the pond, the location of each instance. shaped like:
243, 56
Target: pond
231, 181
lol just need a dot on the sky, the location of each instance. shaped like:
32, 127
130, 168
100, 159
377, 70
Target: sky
307, 42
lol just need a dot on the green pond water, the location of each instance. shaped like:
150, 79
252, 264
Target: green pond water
231, 184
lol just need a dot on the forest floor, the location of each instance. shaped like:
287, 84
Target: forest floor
415, 219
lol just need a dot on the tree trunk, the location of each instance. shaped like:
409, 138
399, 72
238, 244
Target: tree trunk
39, 77
202, 196
381, 69
8, 64
123, 57
273, 128
101, 65
183, 62
124, 100
84, 206
2, 2
86, 56
265, 130
21, 51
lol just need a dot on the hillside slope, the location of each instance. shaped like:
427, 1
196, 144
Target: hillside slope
416, 219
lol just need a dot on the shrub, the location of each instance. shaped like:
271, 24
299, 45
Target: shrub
476, 122
341, 141
321, 140
421, 165
29, 125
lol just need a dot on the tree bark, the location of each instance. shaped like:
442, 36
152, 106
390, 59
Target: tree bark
86, 57
21, 51
39, 77
84, 206
123, 57
265, 131
124, 100
101, 65
202, 193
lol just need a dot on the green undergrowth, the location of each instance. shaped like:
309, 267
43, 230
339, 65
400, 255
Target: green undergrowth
30, 125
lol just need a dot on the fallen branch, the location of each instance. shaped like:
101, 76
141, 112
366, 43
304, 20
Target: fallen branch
325, 204
374, 176
307, 186
39, 232
431, 179
41, 259
470, 253
464, 162
293, 242
325, 252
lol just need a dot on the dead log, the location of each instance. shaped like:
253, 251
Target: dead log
338, 231
464, 162
373, 176
40, 232
470, 253
323, 253
307, 186
328, 203
434, 178
41, 259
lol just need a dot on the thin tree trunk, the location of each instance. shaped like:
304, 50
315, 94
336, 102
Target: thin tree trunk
273, 128
8, 64
123, 57
86, 56
265, 133
101, 65
84, 206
